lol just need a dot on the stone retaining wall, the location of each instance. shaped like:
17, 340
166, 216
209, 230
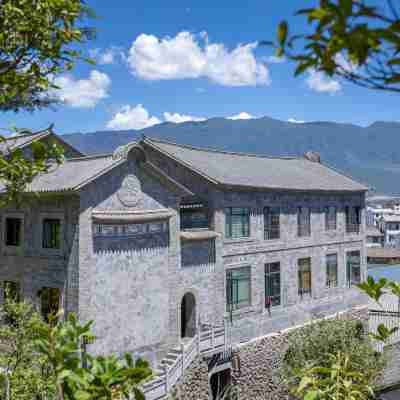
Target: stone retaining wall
260, 360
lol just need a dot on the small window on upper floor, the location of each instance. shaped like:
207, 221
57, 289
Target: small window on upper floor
51, 238
353, 219
330, 218
194, 216
271, 223
237, 222
303, 221
13, 232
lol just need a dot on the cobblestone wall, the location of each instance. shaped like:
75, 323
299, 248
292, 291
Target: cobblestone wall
260, 360
194, 384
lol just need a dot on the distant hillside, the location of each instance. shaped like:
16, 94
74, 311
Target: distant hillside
370, 154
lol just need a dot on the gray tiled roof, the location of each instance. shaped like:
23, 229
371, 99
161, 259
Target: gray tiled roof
73, 174
236, 169
19, 141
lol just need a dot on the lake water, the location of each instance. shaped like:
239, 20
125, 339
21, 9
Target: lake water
391, 272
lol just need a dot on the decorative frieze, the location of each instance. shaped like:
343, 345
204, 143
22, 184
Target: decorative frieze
129, 230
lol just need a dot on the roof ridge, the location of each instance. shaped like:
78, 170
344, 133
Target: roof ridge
210, 150
27, 134
89, 157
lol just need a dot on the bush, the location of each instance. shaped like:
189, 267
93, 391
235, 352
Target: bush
317, 345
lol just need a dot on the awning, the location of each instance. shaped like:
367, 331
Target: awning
109, 216
198, 235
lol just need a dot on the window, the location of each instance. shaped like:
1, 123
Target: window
353, 219
304, 271
273, 283
303, 221
331, 270
353, 267
51, 233
330, 218
11, 291
237, 221
193, 216
50, 302
271, 223
13, 231
238, 292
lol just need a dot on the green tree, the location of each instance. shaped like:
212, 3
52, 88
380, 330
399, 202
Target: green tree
352, 39
49, 362
38, 40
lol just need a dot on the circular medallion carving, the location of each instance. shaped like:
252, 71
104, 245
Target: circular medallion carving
130, 192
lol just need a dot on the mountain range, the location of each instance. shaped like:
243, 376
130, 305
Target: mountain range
370, 154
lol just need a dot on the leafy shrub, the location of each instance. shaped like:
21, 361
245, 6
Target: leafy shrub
317, 344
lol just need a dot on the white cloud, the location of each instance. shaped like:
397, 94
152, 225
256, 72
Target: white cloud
106, 56
319, 82
136, 117
178, 118
187, 56
275, 60
82, 93
241, 115
296, 121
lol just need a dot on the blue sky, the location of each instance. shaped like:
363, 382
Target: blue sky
181, 60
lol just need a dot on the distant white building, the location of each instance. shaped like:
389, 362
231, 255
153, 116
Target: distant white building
374, 237
374, 215
390, 226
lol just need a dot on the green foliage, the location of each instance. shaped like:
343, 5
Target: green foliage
37, 42
17, 171
350, 39
27, 371
338, 381
315, 351
49, 361
375, 290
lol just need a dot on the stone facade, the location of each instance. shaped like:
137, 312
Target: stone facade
34, 267
131, 277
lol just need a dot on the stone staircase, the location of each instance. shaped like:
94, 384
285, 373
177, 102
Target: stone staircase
172, 367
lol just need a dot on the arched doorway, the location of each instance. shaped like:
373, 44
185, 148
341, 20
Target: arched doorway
188, 315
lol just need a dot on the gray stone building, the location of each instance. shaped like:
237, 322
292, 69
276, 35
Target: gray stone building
159, 241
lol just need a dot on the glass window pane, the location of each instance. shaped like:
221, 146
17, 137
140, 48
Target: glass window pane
238, 288
304, 221
237, 222
271, 223
13, 231
353, 267
304, 276
331, 270
330, 218
51, 233
272, 284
